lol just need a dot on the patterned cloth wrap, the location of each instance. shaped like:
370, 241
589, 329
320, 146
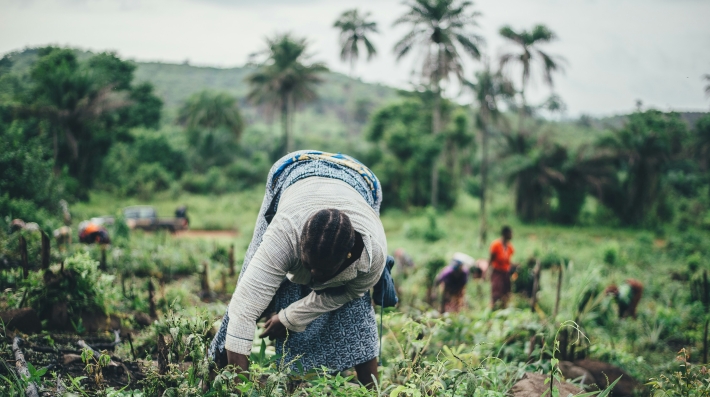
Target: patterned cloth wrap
344, 337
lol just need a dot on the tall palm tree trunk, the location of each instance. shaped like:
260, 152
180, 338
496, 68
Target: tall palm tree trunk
290, 142
435, 121
349, 116
521, 111
484, 174
436, 127
284, 122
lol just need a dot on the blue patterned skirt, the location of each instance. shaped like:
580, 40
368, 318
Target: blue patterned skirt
342, 338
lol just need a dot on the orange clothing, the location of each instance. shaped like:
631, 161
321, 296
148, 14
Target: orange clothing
501, 255
91, 228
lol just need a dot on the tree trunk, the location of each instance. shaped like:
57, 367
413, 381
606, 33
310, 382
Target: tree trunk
521, 111
55, 144
45, 251
290, 144
23, 258
435, 121
436, 128
484, 173
284, 122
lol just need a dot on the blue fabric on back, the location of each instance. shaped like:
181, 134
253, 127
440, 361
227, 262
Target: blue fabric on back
384, 293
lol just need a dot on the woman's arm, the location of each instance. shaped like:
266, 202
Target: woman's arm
257, 286
299, 314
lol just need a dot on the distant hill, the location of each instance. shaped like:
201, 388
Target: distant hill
617, 122
338, 94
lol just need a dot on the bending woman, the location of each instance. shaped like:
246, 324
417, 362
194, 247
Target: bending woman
318, 248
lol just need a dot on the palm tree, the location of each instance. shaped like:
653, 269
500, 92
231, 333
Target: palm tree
441, 29
528, 43
212, 110
589, 170
283, 80
533, 168
354, 29
643, 149
487, 88
71, 99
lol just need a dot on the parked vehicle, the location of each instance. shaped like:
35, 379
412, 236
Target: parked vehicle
146, 218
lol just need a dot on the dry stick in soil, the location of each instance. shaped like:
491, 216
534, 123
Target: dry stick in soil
61, 390
23, 257
129, 338
205, 280
151, 300
162, 359
45, 251
102, 263
559, 290
536, 284
21, 365
231, 260
564, 342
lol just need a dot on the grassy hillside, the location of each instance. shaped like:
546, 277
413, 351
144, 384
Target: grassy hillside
338, 94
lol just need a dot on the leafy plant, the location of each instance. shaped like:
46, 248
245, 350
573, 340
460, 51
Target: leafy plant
687, 380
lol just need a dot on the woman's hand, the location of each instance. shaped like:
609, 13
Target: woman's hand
273, 328
238, 360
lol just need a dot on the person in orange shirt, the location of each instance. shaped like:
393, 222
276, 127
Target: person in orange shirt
501, 251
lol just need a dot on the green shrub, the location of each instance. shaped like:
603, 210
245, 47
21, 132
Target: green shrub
148, 179
213, 181
611, 255
81, 286
552, 259
427, 229
246, 173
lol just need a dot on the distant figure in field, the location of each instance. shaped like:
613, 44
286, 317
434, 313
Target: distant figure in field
627, 296
479, 269
65, 212
90, 233
63, 236
403, 261
181, 213
454, 277
501, 252
18, 224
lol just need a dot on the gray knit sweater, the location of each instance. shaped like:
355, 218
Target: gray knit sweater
278, 257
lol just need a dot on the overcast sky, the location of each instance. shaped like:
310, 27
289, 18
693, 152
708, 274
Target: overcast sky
617, 51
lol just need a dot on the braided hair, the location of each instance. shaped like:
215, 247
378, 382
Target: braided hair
327, 237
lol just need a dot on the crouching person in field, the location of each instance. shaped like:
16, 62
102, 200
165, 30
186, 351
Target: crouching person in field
627, 296
318, 248
455, 277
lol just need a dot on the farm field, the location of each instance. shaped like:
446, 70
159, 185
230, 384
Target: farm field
459, 199
423, 350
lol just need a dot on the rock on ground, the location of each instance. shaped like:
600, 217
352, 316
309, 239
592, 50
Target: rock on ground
533, 385
605, 374
24, 320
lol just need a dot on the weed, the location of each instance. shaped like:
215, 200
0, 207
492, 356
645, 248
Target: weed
687, 380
